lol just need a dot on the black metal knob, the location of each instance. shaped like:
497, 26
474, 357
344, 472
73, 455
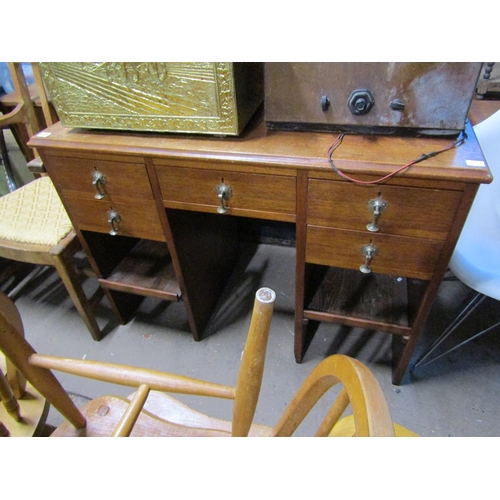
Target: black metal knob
325, 103
397, 105
360, 102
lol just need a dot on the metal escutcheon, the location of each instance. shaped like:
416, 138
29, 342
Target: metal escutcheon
224, 192
114, 220
99, 181
369, 251
376, 206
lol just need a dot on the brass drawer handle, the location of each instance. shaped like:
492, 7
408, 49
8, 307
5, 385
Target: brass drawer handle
224, 192
376, 206
369, 251
99, 181
114, 220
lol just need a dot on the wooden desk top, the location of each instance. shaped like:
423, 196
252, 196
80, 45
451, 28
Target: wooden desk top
259, 147
481, 109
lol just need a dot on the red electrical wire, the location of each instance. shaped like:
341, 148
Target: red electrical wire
424, 156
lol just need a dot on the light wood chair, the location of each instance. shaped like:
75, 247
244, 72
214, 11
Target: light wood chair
34, 226
162, 415
23, 410
25, 415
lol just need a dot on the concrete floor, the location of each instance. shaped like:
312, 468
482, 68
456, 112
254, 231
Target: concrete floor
456, 396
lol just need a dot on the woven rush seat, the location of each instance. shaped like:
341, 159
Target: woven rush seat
34, 214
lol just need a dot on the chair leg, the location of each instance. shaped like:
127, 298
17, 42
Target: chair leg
471, 306
63, 262
9, 173
477, 335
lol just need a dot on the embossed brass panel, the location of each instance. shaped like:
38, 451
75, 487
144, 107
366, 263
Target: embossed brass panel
193, 97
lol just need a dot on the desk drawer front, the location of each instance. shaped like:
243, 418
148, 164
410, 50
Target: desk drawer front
120, 181
267, 196
399, 255
418, 212
139, 221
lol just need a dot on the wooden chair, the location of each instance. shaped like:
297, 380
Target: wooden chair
26, 110
24, 415
22, 114
23, 410
162, 415
34, 226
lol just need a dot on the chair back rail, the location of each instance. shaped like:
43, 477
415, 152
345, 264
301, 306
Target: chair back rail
370, 410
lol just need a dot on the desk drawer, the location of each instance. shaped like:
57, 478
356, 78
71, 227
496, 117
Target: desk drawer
399, 255
123, 181
251, 195
139, 221
418, 212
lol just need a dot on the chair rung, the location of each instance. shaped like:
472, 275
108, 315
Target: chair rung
25, 280
11, 267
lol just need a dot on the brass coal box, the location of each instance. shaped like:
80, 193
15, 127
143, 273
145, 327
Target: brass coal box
193, 97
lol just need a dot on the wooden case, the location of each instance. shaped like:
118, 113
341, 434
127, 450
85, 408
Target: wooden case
384, 98
203, 98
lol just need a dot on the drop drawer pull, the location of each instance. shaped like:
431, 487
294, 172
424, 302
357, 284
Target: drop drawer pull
114, 220
369, 251
224, 192
376, 206
99, 181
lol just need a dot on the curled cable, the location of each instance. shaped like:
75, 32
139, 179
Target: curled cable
338, 141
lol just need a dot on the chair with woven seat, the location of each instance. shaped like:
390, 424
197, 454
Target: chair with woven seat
148, 412
34, 226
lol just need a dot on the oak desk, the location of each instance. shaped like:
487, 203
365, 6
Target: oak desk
158, 215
